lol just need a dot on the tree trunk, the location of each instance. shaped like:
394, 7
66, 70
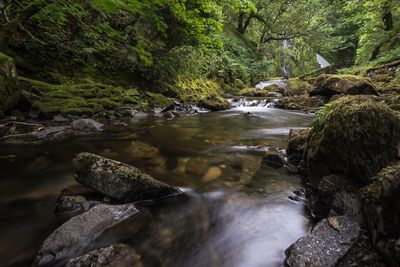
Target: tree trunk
7, 29
240, 27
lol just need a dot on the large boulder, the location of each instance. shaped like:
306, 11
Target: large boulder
382, 212
327, 243
297, 86
328, 85
9, 92
353, 136
117, 180
97, 227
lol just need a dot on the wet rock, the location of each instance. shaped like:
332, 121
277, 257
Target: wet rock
297, 145
87, 125
304, 103
49, 132
97, 227
9, 92
382, 212
60, 118
76, 200
353, 136
297, 86
117, 180
327, 243
119, 255
329, 85
274, 158
348, 204
214, 103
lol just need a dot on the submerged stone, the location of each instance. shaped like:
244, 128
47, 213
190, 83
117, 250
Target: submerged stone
117, 180
274, 158
325, 245
353, 136
99, 226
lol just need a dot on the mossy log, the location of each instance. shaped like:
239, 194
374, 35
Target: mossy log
117, 180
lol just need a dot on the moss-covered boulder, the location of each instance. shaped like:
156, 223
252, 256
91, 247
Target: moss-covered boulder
304, 103
297, 86
354, 136
9, 92
328, 85
214, 103
382, 212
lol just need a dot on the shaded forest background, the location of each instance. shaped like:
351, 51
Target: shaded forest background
187, 48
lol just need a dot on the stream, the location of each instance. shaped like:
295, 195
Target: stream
236, 212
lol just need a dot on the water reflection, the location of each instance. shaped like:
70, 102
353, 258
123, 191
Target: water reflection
236, 212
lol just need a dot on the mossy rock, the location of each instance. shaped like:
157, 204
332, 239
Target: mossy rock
303, 103
159, 100
76, 98
382, 211
297, 86
268, 91
9, 91
328, 85
214, 103
352, 136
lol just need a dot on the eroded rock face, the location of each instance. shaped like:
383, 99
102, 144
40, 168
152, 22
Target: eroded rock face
9, 93
328, 85
119, 255
328, 242
382, 212
100, 226
355, 137
297, 145
117, 180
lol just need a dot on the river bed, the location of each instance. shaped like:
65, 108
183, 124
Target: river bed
236, 211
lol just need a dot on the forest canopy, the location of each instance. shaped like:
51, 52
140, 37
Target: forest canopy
239, 41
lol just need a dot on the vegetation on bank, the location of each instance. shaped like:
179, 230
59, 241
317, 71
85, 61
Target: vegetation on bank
123, 52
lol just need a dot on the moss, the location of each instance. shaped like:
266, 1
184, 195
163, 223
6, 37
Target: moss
159, 100
330, 84
76, 98
297, 86
191, 90
385, 185
214, 103
354, 136
304, 103
9, 91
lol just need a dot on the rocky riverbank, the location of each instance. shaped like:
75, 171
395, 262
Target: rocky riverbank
350, 157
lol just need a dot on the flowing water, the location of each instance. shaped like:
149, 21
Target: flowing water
235, 212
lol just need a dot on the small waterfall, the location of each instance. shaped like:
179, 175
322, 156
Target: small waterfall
285, 67
246, 102
322, 61
263, 84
